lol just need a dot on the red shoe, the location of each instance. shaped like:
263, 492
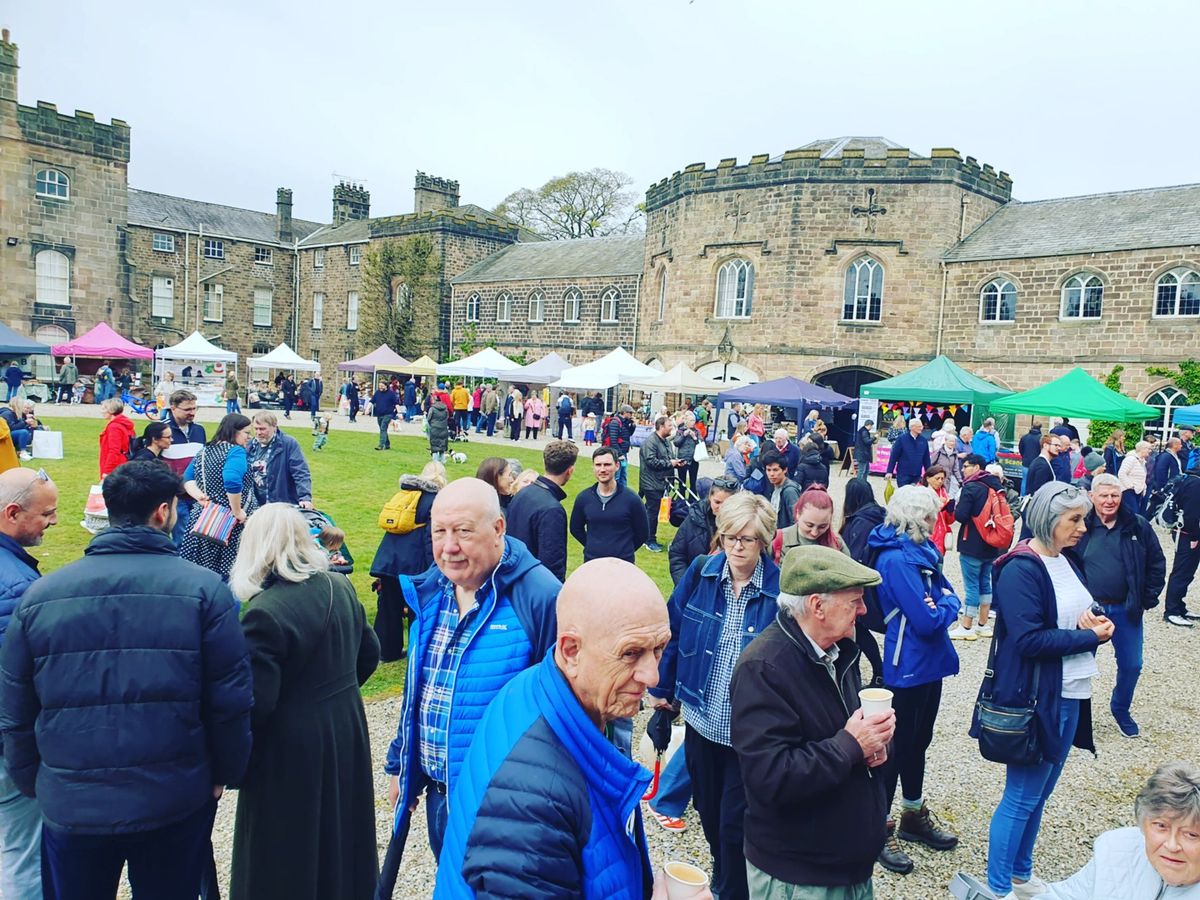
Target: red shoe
669, 823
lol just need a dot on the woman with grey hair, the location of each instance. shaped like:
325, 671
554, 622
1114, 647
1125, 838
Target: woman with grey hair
305, 823
918, 607
686, 439
1043, 655
1159, 859
1132, 476
720, 605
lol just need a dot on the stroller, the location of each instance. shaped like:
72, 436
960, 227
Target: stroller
683, 497
318, 520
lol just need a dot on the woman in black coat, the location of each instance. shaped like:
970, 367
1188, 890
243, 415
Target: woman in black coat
860, 515
305, 826
694, 537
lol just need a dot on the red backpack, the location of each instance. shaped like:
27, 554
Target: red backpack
605, 439
995, 522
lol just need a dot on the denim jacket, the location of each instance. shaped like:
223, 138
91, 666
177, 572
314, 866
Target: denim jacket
696, 608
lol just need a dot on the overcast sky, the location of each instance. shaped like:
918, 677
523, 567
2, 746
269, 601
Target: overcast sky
230, 100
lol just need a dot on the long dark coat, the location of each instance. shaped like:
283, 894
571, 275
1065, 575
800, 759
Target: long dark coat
305, 826
438, 419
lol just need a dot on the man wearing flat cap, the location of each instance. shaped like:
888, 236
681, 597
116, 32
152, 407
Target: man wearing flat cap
810, 760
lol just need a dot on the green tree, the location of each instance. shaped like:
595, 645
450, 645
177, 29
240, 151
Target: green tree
398, 276
594, 203
1099, 430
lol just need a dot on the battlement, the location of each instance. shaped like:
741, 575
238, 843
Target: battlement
465, 223
350, 201
434, 183
943, 165
432, 193
80, 133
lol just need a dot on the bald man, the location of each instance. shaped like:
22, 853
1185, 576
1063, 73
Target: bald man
28, 506
546, 805
483, 615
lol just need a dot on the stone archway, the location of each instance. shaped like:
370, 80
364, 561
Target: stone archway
846, 380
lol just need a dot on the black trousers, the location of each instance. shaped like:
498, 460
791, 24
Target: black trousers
564, 424
720, 800
916, 711
514, 429
688, 474
1183, 570
865, 638
390, 619
653, 499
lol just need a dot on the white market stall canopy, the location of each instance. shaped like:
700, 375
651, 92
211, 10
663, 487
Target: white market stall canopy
284, 357
547, 369
196, 347
682, 379
487, 363
617, 367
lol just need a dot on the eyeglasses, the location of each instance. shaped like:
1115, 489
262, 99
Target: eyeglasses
736, 540
725, 484
22, 495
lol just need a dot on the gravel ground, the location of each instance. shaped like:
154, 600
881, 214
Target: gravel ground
963, 789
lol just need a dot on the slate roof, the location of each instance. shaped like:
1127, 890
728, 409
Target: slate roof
176, 213
583, 258
872, 147
1127, 220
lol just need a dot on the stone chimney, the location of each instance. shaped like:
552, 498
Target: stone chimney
433, 193
283, 216
350, 201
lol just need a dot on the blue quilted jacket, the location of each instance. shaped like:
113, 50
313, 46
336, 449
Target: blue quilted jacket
18, 570
545, 806
516, 628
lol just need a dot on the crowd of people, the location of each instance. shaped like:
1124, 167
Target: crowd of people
792, 753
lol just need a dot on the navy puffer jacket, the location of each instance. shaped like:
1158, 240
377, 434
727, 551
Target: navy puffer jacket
125, 687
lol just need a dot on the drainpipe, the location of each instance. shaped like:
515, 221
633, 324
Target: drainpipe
187, 274
199, 290
942, 309
637, 318
295, 296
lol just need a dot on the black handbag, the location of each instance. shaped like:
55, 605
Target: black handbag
1007, 734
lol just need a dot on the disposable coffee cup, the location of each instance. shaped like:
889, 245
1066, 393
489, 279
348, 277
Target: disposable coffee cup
684, 881
875, 700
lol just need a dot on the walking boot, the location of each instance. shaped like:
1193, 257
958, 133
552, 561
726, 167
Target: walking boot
892, 857
919, 825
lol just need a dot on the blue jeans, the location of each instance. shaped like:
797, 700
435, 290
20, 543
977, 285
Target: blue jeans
167, 863
623, 472
674, 786
1024, 478
436, 809
977, 579
12, 391
385, 442
1016, 821
1127, 645
864, 471
232, 406
621, 736
183, 514
20, 842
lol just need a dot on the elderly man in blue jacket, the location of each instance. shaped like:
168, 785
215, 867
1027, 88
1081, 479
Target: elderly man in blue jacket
121, 779
278, 465
910, 454
513, 831
482, 616
28, 506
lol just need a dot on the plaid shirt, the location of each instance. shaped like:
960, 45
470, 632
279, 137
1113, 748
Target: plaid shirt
714, 723
451, 636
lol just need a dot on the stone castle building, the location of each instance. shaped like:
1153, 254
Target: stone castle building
842, 261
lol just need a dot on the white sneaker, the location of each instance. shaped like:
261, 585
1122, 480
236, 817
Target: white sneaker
958, 633
25, 454
983, 631
1034, 887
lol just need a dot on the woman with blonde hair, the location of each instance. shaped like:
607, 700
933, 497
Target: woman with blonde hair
1132, 476
305, 826
116, 438
1113, 451
406, 549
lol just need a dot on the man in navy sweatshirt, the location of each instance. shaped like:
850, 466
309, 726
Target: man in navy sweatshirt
607, 518
910, 454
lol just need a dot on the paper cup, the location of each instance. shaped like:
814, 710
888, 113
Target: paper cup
875, 700
684, 881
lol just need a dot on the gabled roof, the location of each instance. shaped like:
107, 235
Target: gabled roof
153, 210
353, 231
583, 258
873, 147
1126, 220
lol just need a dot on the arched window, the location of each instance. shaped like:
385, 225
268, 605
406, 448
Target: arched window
1177, 294
504, 307
572, 300
662, 293
537, 306
1082, 297
1167, 399
53, 183
53, 278
735, 289
473, 308
863, 297
610, 305
998, 301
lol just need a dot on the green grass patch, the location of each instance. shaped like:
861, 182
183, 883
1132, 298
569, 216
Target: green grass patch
351, 482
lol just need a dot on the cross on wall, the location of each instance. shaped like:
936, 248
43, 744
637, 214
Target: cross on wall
737, 213
870, 211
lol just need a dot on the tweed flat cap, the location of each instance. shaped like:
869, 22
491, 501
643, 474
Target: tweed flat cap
813, 569
1093, 461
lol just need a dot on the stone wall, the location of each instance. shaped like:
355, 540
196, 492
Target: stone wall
333, 342
578, 342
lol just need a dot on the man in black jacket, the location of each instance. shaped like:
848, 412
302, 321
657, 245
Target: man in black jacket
536, 516
1029, 447
864, 449
608, 519
1125, 570
784, 491
656, 466
125, 701
816, 809
1187, 553
617, 434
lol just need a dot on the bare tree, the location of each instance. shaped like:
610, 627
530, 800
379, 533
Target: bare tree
594, 203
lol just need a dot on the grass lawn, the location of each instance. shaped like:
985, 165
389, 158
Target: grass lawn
351, 482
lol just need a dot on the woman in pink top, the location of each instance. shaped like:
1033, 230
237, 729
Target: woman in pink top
535, 416
755, 427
